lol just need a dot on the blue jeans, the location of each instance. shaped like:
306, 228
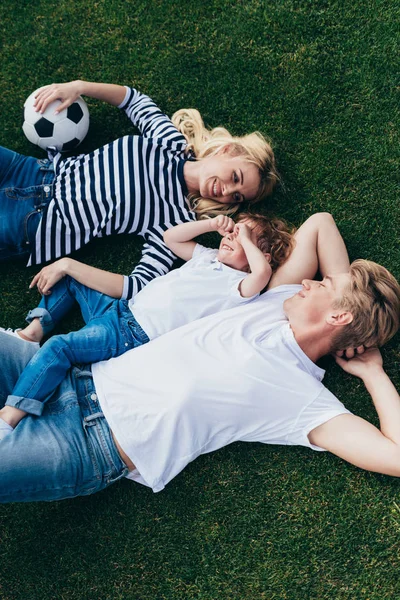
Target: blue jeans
110, 330
69, 451
26, 188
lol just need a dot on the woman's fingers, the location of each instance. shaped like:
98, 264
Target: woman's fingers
34, 280
55, 91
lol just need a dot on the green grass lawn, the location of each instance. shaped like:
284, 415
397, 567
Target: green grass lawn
250, 522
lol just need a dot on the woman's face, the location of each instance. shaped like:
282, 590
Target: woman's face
228, 179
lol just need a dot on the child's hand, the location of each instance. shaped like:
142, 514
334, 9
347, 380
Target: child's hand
222, 224
242, 232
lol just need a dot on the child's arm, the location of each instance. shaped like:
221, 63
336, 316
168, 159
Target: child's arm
179, 239
260, 268
96, 279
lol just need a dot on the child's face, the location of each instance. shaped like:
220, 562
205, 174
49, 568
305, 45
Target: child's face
231, 251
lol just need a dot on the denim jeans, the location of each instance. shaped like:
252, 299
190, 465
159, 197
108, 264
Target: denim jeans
69, 451
110, 330
26, 188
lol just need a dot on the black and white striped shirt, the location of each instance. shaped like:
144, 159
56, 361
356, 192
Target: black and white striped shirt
133, 185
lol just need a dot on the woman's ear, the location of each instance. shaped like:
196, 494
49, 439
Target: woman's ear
267, 256
227, 149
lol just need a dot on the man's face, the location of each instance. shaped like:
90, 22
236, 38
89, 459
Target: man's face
314, 303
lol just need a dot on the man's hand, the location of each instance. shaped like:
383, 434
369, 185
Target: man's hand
222, 224
48, 276
361, 365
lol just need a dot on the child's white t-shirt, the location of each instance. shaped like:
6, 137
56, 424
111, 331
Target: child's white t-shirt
234, 376
201, 287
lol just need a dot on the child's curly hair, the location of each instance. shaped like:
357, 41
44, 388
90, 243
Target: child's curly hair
274, 236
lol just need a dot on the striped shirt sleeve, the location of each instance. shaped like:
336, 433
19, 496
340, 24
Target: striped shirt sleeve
148, 118
156, 260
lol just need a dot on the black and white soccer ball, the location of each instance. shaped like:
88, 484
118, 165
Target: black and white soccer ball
64, 131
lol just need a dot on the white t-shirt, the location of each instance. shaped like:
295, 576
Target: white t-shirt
234, 376
201, 287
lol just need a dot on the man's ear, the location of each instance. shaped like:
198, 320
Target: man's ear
267, 256
339, 318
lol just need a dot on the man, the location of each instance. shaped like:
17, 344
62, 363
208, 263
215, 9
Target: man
246, 374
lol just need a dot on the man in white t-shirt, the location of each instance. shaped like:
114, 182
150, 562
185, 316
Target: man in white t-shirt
246, 374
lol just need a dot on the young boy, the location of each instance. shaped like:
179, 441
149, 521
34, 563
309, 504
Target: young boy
210, 281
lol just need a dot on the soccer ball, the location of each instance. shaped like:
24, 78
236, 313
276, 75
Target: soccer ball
65, 131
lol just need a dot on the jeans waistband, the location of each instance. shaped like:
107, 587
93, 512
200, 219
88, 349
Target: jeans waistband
130, 318
94, 421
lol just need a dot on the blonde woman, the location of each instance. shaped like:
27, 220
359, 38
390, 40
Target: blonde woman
137, 184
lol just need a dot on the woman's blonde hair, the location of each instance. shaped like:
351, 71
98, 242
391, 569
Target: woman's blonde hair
373, 299
274, 236
205, 142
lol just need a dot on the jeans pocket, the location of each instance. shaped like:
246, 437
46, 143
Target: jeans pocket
21, 194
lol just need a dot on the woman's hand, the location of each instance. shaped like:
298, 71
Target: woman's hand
361, 365
222, 224
48, 276
66, 92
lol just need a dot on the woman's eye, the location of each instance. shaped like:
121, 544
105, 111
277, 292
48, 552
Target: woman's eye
237, 197
235, 177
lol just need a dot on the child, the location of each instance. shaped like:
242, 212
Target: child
210, 281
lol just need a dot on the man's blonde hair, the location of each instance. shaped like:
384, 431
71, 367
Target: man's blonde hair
205, 142
373, 299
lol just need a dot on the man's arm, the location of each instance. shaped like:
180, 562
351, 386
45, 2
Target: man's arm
353, 438
319, 245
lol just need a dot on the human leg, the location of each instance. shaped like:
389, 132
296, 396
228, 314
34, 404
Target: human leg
25, 191
68, 452
53, 307
104, 337
14, 356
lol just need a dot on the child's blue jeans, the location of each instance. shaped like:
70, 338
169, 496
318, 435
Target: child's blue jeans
110, 330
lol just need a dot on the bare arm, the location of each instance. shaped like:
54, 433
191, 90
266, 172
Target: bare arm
69, 92
179, 239
356, 440
318, 245
259, 267
96, 279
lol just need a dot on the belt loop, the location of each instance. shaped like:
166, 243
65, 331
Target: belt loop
90, 420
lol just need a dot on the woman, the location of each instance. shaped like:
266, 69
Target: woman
136, 184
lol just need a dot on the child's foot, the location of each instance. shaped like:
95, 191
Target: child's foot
5, 429
14, 333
